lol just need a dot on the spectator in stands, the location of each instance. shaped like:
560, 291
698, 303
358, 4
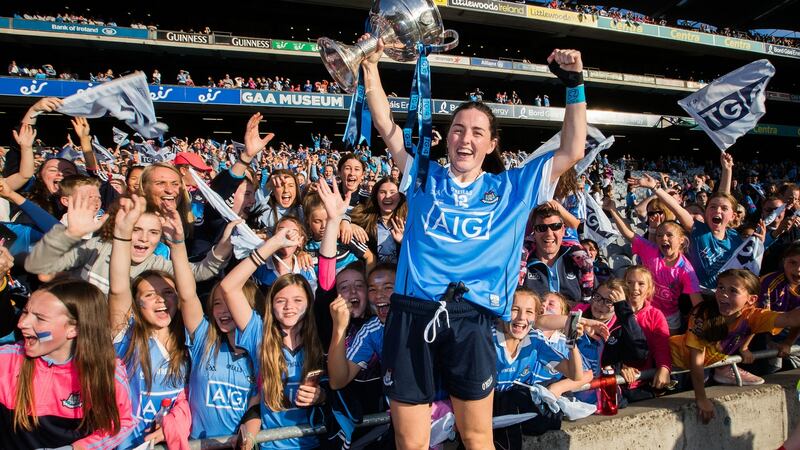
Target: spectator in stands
13, 69
65, 375
156, 78
181, 78
148, 334
640, 290
552, 266
719, 328
383, 217
283, 345
780, 291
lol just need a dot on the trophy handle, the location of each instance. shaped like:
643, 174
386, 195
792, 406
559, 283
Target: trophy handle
446, 46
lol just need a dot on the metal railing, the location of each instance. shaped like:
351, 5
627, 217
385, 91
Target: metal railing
277, 434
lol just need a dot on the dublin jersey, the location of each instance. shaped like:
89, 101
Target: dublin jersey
533, 356
250, 339
708, 254
220, 386
146, 404
367, 344
471, 233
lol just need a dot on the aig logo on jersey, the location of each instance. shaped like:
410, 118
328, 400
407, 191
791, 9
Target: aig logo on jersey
226, 396
456, 225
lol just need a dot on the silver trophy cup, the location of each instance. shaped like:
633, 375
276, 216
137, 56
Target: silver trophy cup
401, 24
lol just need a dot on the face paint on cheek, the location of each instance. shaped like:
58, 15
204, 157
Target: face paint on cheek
44, 336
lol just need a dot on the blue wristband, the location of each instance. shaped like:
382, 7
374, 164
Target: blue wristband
576, 95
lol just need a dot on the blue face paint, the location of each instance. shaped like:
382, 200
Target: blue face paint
44, 336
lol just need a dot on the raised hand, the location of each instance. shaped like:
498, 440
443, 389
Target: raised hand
25, 136
646, 181
130, 210
253, 142
81, 127
172, 226
375, 56
47, 104
398, 228
340, 313
334, 204
81, 215
286, 237
726, 160
569, 60
617, 295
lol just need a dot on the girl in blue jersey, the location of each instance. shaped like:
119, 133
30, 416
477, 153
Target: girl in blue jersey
283, 346
383, 217
149, 335
522, 352
464, 225
222, 380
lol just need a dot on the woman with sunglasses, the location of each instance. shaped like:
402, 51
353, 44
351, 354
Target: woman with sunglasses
459, 215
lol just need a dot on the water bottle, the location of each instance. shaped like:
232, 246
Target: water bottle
165, 406
607, 393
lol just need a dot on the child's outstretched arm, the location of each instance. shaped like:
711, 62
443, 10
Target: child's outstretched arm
646, 181
705, 408
611, 208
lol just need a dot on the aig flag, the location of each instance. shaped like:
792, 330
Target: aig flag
731, 105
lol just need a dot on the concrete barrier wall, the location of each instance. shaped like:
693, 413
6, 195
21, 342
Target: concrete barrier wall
752, 417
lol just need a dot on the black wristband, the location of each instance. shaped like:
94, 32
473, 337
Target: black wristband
117, 238
568, 78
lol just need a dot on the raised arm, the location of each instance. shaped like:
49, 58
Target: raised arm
233, 283
120, 297
726, 160
646, 181
569, 220
341, 371
568, 67
24, 138
611, 208
253, 143
390, 132
81, 127
190, 306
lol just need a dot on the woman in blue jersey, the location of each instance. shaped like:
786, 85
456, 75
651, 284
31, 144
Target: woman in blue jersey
222, 380
149, 335
464, 225
283, 346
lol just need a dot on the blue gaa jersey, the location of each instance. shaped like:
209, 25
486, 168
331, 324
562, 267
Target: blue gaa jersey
471, 233
708, 254
591, 351
558, 342
533, 355
367, 344
266, 274
219, 387
146, 404
250, 340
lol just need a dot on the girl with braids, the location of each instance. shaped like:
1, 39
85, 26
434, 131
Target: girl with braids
62, 384
149, 333
283, 345
383, 217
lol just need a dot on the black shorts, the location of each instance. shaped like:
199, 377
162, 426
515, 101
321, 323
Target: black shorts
461, 359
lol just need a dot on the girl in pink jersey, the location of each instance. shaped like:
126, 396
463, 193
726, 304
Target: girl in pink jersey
62, 384
673, 274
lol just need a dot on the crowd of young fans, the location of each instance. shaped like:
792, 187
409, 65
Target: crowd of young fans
121, 283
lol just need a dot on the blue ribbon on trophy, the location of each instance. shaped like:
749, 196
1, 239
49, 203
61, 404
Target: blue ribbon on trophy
359, 120
419, 116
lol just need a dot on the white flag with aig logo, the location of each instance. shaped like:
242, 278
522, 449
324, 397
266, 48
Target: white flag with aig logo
731, 105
